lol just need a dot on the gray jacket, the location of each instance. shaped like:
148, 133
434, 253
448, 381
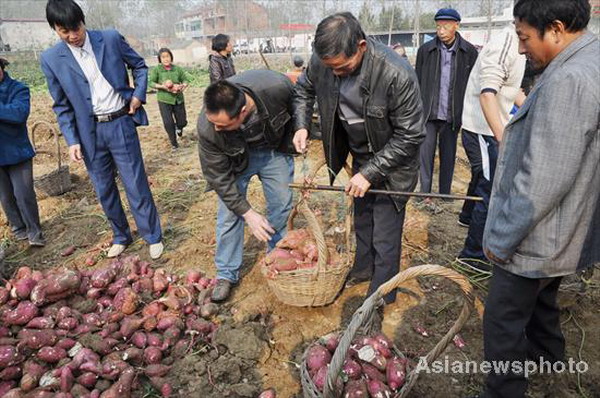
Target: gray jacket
543, 214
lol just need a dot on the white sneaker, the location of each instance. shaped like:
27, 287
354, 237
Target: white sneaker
115, 250
156, 250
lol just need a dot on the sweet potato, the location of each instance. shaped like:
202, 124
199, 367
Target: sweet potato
396, 373
352, 369
168, 322
92, 319
330, 341
4, 295
154, 340
87, 379
372, 372
11, 373
117, 285
294, 239
8, 341
41, 322
41, 393
14, 393
79, 391
152, 355
270, 393
133, 355
94, 293
66, 379
276, 255
356, 389
4, 331
130, 325
378, 389
122, 388
65, 280
159, 281
209, 310
317, 357
288, 264
156, 370
68, 323
9, 356
198, 325
21, 315
23, 288
51, 354
139, 339
126, 301
113, 367
6, 386
102, 277
320, 377
32, 372
192, 277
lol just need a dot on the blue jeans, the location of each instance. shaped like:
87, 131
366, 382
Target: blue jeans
276, 171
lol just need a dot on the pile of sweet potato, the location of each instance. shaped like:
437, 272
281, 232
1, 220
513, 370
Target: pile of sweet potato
97, 333
370, 368
297, 250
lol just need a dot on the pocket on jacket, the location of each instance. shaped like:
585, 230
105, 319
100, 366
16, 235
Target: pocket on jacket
543, 240
280, 120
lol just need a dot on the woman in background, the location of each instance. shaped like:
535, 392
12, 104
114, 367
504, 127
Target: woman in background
170, 81
220, 64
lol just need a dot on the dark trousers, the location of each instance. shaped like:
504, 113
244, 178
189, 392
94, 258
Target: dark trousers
173, 116
378, 226
484, 150
521, 322
118, 149
439, 134
471, 146
18, 198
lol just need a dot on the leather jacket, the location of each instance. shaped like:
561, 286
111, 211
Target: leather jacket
220, 67
392, 110
224, 154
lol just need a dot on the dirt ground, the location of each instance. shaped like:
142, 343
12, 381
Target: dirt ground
281, 332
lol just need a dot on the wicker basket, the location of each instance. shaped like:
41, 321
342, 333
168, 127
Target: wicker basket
362, 322
58, 181
316, 286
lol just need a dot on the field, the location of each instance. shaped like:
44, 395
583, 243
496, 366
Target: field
262, 340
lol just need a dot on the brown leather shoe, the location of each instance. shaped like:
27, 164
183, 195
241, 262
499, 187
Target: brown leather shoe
221, 290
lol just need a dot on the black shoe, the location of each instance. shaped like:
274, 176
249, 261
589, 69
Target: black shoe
481, 266
221, 291
20, 234
179, 132
463, 224
354, 280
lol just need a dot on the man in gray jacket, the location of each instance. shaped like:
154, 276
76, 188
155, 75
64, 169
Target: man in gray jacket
543, 217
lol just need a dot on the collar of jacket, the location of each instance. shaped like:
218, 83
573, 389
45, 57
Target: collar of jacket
6, 80
366, 69
462, 43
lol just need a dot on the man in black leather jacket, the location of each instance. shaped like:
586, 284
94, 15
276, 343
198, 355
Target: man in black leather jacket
244, 130
369, 102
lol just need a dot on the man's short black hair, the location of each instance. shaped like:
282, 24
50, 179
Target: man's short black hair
65, 13
338, 34
224, 96
541, 14
164, 50
219, 42
3, 63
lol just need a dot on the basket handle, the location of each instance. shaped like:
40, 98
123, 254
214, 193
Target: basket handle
54, 133
363, 317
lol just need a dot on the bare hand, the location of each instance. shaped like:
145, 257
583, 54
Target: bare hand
357, 186
75, 153
300, 140
259, 225
134, 105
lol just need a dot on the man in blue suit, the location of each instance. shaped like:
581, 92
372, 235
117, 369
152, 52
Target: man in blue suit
98, 112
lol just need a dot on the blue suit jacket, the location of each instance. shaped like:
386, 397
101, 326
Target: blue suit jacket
71, 92
15, 146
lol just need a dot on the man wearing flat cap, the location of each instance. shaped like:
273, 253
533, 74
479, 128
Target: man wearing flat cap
443, 68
